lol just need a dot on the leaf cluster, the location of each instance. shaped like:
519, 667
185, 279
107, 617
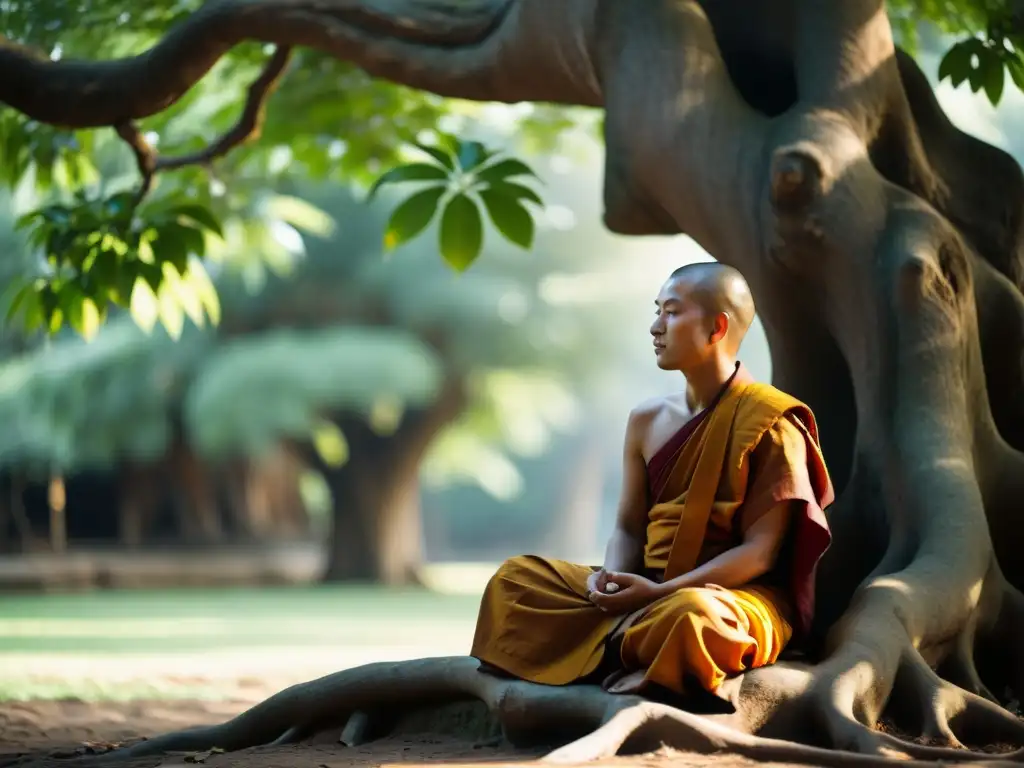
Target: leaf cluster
460, 181
99, 252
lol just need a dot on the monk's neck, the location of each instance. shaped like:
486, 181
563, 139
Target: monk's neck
707, 381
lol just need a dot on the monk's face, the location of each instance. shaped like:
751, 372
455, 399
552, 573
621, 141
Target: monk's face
683, 332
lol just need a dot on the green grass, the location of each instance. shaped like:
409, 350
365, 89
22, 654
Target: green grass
131, 644
182, 620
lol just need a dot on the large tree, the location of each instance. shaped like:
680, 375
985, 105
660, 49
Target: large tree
795, 142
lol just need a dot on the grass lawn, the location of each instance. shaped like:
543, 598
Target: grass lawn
202, 643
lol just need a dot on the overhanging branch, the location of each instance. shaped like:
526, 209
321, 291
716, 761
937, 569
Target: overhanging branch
246, 129
495, 50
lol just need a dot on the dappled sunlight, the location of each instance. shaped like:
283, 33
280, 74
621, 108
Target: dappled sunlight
458, 578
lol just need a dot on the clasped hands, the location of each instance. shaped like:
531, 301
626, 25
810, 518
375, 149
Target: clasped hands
629, 593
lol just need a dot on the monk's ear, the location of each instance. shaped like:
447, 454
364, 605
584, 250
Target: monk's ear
719, 327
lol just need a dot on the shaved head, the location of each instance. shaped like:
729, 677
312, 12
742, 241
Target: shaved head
718, 288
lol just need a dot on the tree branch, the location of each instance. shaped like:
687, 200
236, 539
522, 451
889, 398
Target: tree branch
672, 161
246, 129
493, 50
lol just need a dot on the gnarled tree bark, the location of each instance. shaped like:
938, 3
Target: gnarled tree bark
883, 246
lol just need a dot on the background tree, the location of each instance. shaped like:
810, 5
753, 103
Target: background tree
883, 246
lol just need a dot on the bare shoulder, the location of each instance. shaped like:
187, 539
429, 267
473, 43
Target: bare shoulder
647, 410
652, 421
650, 410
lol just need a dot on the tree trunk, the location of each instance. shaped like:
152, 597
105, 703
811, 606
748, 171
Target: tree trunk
376, 532
56, 497
884, 249
193, 495
13, 520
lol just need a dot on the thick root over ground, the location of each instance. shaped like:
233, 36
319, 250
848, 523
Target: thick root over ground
584, 723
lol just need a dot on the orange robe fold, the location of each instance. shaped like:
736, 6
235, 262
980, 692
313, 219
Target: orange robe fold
757, 447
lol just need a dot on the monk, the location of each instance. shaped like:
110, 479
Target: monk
710, 569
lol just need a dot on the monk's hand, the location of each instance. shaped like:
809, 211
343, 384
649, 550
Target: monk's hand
597, 581
625, 593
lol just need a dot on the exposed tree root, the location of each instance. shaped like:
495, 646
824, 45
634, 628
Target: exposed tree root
370, 702
960, 669
527, 713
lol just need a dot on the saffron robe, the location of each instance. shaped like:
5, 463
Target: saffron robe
754, 448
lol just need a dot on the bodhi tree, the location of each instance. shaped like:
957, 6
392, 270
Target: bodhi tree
795, 142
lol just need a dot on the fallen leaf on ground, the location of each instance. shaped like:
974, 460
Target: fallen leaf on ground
201, 757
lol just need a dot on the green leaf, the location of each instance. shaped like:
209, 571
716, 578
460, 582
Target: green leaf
172, 314
444, 158
412, 216
518, 191
1015, 64
503, 170
200, 282
70, 302
151, 273
462, 232
173, 244
181, 290
471, 154
995, 78
976, 79
56, 320
301, 214
19, 300
956, 64
143, 307
509, 217
102, 275
448, 142
202, 216
32, 310
411, 172
145, 252
90, 319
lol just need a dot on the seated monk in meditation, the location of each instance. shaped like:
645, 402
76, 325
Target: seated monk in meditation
710, 569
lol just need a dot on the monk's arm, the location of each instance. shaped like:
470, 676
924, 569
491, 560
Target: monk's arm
746, 562
625, 551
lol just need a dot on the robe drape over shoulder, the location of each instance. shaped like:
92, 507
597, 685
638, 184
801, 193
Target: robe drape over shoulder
752, 449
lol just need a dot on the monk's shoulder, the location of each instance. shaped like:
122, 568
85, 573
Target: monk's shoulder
649, 410
651, 419
764, 407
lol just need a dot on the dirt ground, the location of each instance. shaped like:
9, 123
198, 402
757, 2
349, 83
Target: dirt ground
45, 727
